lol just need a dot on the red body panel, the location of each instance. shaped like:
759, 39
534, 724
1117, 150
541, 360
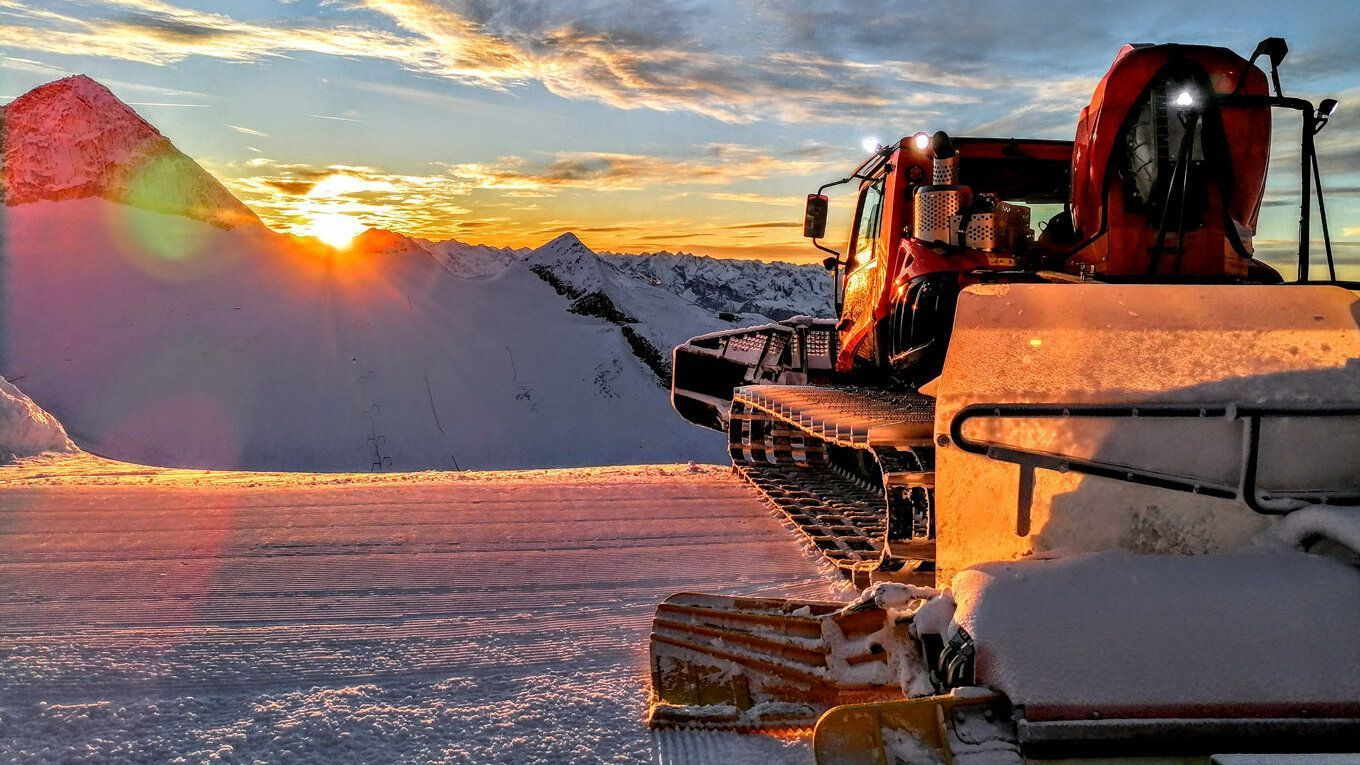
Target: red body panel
1119, 240
872, 289
1111, 239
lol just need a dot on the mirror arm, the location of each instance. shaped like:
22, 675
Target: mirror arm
822, 190
1322, 213
1305, 191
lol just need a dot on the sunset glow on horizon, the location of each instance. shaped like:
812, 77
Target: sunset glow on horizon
696, 128
338, 231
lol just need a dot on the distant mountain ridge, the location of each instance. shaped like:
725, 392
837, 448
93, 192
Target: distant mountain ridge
777, 290
472, 261
758, 289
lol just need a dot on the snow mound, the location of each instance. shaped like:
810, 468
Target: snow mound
1341, 525
25, 429
73, 139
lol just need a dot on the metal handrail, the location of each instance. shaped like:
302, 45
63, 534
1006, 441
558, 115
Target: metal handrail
1246, 488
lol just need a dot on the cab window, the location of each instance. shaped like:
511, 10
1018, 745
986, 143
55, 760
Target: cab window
868, 225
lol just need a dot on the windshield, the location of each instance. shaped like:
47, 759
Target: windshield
867, 225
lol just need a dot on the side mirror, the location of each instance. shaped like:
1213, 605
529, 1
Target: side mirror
814, 216
1274, 48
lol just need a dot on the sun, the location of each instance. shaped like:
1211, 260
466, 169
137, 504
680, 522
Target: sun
337, 231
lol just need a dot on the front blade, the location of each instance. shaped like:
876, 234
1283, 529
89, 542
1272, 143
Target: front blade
733, 662
929, 729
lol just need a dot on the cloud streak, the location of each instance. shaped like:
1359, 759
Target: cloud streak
603, 171
654, 58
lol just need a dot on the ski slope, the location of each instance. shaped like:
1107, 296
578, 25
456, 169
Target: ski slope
251, 353
154, 615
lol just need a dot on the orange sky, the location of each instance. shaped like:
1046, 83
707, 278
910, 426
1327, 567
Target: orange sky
696, 126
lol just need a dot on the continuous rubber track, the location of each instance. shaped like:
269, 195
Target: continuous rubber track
800, 445
842, 518
846, 416
147, 615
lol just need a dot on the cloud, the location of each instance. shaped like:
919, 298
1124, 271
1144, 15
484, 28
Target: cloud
294, 188
155, 32
755, 199
429, 97
605, 171
765, 224
38, 67
248, 131
653, 56
290, 195
557, 229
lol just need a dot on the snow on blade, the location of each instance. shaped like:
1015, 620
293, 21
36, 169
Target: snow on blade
1264, 630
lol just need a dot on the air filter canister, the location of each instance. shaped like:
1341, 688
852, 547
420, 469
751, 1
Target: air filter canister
935, 207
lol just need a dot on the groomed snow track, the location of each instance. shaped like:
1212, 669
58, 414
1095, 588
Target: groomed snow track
148, 615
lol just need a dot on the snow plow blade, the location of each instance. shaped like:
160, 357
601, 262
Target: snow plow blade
750, 663
930, 729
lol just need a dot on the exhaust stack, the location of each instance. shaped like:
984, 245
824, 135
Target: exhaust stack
937, 204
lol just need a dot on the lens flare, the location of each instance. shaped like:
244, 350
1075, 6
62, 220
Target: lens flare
338, 231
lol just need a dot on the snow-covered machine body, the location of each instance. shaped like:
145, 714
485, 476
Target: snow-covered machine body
1053, 454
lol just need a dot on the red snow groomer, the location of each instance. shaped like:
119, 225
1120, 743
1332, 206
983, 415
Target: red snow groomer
1078, 428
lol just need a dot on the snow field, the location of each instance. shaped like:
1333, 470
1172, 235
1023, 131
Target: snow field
179, 616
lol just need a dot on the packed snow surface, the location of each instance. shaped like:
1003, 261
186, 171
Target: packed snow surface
25, 429
152, 615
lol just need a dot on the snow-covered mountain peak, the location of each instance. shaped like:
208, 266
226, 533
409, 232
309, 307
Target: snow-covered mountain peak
71, 101
575, 264
568, 251
74, 139
565, 243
